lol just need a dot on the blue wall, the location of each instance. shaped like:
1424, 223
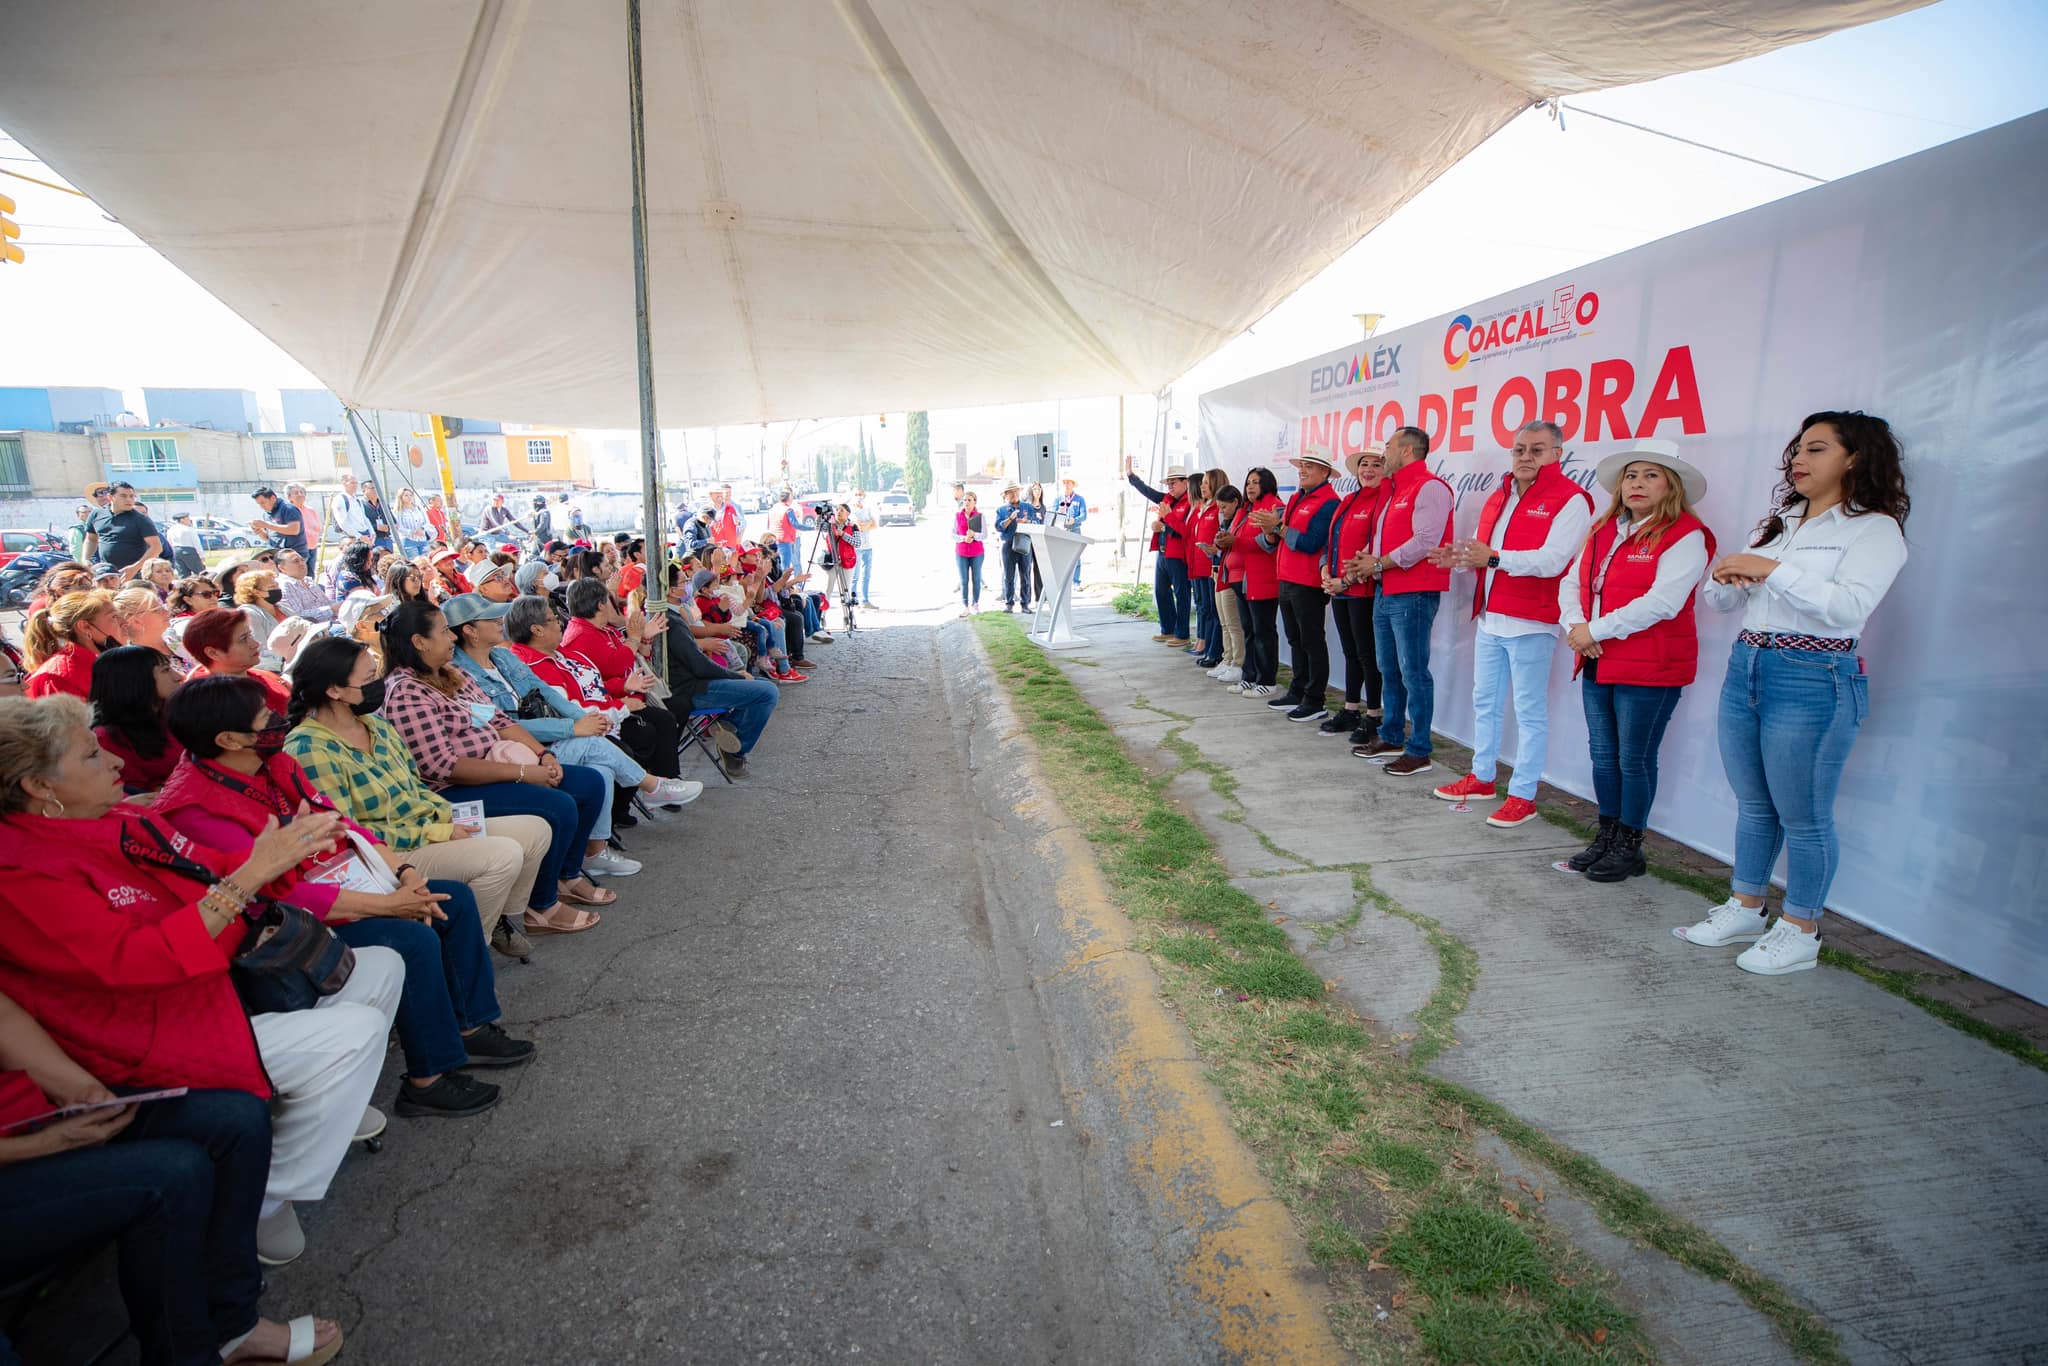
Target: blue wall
316, 406
223, 410
26, 410
75, 407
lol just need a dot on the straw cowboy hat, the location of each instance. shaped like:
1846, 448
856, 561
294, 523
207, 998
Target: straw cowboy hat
1659, 452
1312, 456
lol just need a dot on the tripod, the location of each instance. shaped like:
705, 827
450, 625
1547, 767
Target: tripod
841, 577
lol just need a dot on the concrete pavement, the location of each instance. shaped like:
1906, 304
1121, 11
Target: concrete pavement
1887, 1169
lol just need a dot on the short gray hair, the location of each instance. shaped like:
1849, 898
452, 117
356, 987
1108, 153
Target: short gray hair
527, 615
1539, 425
586, 597
34, 733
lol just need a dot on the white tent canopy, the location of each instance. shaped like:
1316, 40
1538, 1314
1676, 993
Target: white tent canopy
857, 205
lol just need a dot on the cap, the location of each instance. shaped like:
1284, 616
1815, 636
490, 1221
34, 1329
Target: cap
102, 569
1658, 451
464, 608
508, 549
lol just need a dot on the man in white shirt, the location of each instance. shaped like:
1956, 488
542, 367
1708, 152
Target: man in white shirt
187, 551
347, 512
1529, 533
864, 526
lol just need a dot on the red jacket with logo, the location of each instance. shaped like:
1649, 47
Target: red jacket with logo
1523, 595
1666, 655
1397, 527
1351, 533
1303, 566
1260, 575
112, 957
1201, 531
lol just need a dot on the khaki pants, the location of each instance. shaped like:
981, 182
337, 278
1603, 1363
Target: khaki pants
499, 865
1233, 627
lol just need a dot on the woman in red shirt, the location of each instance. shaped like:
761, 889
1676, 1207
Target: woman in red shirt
1261, 585
129, 686
1199, 541
221, 641
63, 639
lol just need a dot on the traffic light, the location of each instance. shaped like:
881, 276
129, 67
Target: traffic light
9, 230
883, 419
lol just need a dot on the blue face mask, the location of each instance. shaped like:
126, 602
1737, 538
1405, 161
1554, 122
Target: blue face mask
482, 713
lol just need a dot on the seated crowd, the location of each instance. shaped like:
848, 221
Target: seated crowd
254, 823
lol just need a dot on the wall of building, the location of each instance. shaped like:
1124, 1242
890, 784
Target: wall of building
221, 410
26, 410
75, 408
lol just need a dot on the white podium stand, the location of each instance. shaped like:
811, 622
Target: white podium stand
1056, 551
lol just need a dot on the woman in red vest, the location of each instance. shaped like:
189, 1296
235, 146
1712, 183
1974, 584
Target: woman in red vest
1261, 586
1229, 566
1627, 611
1351, 598
1200, 534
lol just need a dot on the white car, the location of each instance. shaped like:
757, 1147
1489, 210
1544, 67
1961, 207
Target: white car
894, 509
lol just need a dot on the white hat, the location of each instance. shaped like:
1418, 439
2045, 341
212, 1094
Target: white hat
1373, 448
1176, 472
1312, 456
1659, 452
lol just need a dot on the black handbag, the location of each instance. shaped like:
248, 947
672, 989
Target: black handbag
287, 959
534, 707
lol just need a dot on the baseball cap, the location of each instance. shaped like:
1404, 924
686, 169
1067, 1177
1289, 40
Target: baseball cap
464, 608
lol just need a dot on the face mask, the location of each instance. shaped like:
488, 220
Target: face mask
274, 596
270, 740
373, 698
551, 580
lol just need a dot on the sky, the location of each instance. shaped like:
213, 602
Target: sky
94, 306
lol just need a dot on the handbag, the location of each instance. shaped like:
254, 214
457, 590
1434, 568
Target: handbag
534, 706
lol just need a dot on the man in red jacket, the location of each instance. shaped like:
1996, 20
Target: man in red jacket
1529, 532
1414, 518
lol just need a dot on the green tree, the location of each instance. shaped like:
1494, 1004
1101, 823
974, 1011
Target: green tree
887, 472
821, 473
917, 458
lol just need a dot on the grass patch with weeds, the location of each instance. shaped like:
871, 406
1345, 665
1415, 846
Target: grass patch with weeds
1135, 601
1431, 1255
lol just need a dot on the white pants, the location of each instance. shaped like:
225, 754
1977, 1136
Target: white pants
323, 1063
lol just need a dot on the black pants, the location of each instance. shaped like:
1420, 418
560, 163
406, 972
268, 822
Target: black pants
1301, 614
1261, 640
651, 735
1361, 662
1017, 577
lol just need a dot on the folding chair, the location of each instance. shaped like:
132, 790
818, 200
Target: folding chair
697, 734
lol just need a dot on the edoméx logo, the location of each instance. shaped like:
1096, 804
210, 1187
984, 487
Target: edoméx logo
1566, 313
1381, 362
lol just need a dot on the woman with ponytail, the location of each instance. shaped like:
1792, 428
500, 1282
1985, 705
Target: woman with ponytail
62, 640
1795, 694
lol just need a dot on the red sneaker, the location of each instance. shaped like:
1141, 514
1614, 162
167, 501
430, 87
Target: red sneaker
1514, 811
790, 676
1465, 789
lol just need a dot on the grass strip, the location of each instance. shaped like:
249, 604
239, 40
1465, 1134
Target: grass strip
1431, 1257
1135, 601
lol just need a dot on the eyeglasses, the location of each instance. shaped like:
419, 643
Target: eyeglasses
202, 593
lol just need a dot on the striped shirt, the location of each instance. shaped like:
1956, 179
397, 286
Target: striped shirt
377, 788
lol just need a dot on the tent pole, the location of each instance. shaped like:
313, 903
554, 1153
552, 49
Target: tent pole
355, 425
650, 435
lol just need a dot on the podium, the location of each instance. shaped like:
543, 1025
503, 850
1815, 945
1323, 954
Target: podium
1056, 550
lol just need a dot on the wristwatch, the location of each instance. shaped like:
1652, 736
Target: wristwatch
1493, 560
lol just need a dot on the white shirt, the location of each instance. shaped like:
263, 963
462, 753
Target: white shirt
1568, 528
1832, 573
1678, 572
182, 537
347, 514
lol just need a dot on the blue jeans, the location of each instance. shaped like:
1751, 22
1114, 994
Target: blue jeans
1624, 727
570, 810
450, 985
786, 555
970, 578
1523, 663
1400, 637
1208, 625
1170, 594
1017, 575
180, 1188
750, 700
598, 752
864, 571
1788, 721
814, 620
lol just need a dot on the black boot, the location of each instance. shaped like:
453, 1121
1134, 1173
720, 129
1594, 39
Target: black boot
1623, 859
1597, 850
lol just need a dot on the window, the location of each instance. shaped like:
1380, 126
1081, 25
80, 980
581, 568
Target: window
151, 454
13, 468
278, 455
475, 453
341, 455
540, 452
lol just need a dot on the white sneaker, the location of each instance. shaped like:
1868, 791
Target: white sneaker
1231, 674
610, 862
1784, 948
1259, 690
371, 1125
674, 792
1216, 672
279, 1239
1731, 922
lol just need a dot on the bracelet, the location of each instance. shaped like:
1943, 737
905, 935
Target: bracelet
522, 774
234, 889
405, 868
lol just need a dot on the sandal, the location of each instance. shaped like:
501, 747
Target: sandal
540, 925
301, 1351
597, 896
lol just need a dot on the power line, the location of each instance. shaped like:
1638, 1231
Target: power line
1557, 106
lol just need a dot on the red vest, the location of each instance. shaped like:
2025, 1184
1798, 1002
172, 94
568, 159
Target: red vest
1261, 575
1397, 526
1351, 533
1201, 531
1303, 566
1666, 655
1173, 512
1523, 595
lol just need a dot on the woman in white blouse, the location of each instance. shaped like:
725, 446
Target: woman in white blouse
1627, 612
1795, 693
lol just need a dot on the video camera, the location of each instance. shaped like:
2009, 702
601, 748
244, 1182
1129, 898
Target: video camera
823, 511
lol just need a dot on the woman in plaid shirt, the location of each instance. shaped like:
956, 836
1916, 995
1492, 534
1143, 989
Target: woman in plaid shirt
451, 726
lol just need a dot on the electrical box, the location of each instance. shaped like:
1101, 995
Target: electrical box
1037, 459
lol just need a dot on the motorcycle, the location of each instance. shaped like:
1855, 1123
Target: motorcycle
19, 575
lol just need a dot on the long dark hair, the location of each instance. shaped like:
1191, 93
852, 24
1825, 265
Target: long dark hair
124, 696
325, 663
1875, 482
1268, 485
204, 707
409, 619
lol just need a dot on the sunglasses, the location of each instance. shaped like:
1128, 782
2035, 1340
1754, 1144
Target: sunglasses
203, 593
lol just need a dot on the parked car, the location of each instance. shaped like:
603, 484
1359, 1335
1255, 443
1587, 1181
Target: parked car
218, 534
895, 510
16, 541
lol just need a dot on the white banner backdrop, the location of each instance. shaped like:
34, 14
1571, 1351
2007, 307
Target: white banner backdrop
1917, 291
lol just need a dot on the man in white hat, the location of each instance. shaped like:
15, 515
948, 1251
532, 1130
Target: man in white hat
1297, 535
1070, 512
1170, 571
1015, 549
1530, 531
